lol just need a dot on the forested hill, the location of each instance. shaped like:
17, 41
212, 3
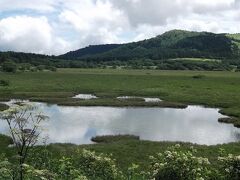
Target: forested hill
90, 50
21, 57
172, 44
173, 50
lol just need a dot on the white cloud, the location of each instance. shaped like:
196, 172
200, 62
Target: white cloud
60, 25
38, 5
95, 22
157, 12
153, 17
195, 23
28, 34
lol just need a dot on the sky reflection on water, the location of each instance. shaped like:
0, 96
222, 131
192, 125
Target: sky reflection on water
78, 124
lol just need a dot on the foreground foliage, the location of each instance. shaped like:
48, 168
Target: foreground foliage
24, 124
230, 166
174, 163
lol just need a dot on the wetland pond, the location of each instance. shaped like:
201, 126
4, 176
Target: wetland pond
78, 125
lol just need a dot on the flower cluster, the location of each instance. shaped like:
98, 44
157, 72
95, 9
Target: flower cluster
96, 166
5, 168
230, 166
176, 164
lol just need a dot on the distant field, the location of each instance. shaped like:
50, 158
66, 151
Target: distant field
197, 59
215, 89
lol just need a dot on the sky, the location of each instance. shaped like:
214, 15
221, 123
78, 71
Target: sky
55, 27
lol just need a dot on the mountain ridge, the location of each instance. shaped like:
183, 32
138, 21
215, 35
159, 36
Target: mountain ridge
171, 44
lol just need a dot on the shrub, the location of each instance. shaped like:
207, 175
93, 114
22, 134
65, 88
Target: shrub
9, 171
40, 67
96, 166
81, 165
174, 164
9, 66
5, 168
199, 76
4, 83
230, 167
178, 165
133, 173
35, 174
24, 66
65, 170
51, 68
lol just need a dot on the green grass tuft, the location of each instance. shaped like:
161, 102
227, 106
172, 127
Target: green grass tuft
112, 138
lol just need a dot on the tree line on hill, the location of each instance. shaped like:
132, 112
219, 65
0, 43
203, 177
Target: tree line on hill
13, 62
51, 64
155, 53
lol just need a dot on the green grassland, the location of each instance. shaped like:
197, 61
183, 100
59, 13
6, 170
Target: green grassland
176, 88
197, 59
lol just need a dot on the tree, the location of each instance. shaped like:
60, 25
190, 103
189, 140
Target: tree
24, 66
24, 125
9, 66
3, 58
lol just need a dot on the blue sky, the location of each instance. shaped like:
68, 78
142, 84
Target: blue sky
58, 26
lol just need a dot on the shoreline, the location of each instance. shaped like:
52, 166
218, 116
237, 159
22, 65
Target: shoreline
114, 102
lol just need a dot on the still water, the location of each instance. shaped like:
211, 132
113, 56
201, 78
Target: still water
78, 124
